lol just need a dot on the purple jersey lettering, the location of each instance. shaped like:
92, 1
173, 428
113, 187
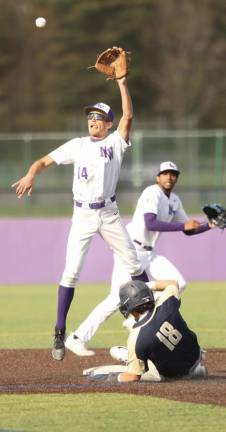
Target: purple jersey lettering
106, 152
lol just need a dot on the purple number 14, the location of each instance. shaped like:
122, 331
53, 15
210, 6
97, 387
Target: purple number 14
82, 172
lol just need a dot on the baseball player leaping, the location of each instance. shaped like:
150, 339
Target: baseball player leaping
158, 210
97, 160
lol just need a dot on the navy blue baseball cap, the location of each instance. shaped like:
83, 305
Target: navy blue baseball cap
102, 108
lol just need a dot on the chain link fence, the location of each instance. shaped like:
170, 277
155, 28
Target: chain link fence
200, 156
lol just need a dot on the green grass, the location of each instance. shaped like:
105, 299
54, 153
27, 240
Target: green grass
106, 412
28, 314
24, 208
36, 211
203, 307
26, 321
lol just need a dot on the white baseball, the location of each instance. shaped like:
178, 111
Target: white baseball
40, 22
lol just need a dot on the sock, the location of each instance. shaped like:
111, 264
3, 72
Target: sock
142, 277
65, 296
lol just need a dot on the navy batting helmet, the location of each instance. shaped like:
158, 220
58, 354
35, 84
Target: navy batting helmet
135, 295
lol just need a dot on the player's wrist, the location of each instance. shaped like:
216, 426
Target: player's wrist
121, 81
30, 176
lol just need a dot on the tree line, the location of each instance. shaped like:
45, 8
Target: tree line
178, 61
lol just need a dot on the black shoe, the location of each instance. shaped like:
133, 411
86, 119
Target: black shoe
58, 351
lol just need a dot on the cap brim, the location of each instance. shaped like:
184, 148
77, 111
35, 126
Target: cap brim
87, 110
169, 169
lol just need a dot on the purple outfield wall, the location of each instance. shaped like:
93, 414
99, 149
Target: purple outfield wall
33, 251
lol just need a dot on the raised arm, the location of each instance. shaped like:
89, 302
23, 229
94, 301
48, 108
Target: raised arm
125, 122
25, 184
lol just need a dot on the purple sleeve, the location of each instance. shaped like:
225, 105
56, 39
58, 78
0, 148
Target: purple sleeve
153, 224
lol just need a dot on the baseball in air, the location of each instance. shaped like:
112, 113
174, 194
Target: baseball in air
40, 22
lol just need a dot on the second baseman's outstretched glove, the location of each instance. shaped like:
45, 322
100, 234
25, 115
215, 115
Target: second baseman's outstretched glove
113, 62
216, 215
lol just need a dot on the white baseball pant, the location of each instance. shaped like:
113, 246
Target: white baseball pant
156, 266
86, 223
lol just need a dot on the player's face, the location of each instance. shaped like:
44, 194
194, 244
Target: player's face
98, 125
166, 180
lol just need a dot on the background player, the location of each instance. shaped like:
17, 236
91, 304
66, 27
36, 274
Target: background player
158, 210
97, 160
160, 344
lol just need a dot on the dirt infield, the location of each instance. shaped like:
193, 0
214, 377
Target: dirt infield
34, 371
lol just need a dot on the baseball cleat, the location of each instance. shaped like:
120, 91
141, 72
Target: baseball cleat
119, 353
74, 344
58, 350
199, 372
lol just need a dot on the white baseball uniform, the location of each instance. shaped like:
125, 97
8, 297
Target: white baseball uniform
167, 209
96, 171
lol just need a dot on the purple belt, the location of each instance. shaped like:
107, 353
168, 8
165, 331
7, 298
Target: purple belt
95, 205
148, 248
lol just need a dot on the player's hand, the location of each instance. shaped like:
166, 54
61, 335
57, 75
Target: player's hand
211, 225
23, 186
191, 225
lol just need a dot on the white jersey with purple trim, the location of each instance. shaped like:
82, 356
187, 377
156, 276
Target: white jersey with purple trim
96, 172
167, 209
96, 165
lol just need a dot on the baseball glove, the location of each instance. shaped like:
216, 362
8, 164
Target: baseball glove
216, 215
113, 62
